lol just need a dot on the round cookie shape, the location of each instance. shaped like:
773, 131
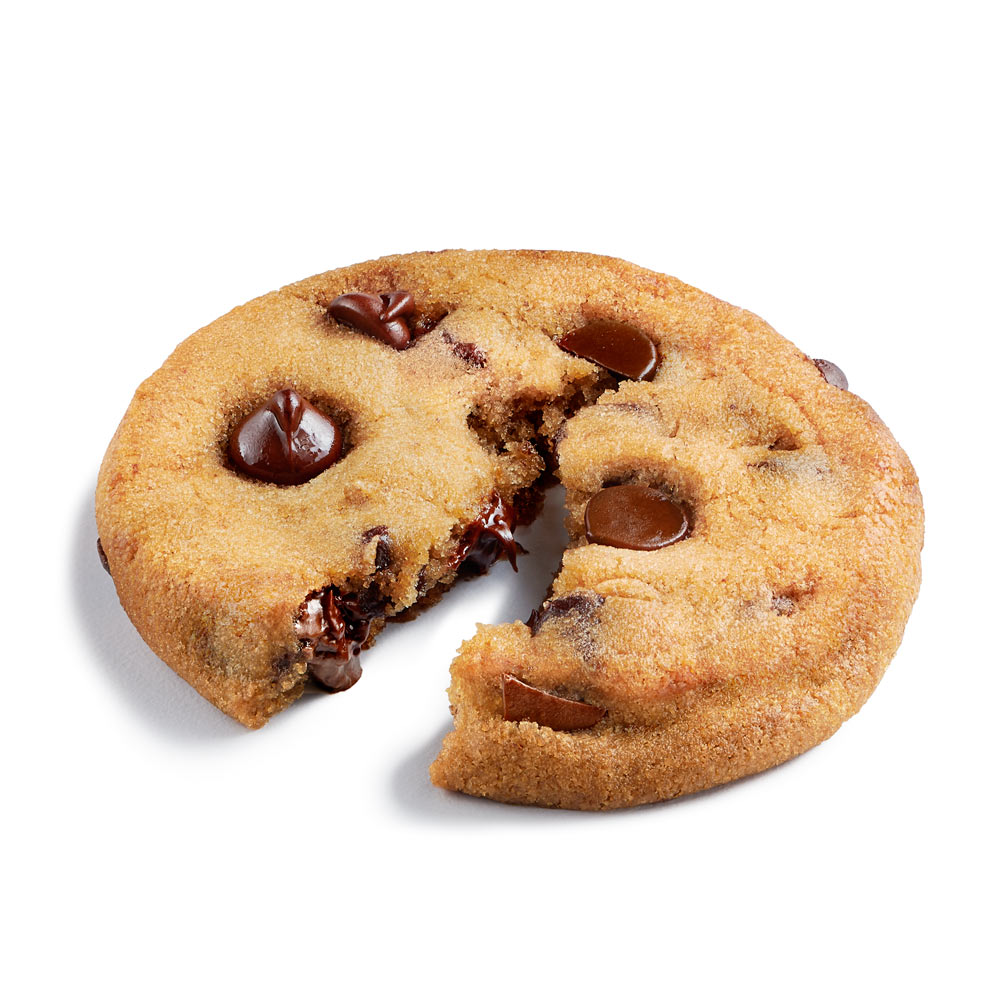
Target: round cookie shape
780, 536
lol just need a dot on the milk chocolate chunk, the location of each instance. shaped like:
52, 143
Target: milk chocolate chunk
831, 372
635, 517
487, 538
333, 628
286, 441
617, 346
380, 316
524, 703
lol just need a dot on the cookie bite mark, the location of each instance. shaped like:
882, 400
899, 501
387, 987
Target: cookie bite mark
333, 629
524, 703
381, 316
620, 348
487, 538
286, 441
633, 516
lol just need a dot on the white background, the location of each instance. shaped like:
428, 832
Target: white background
831, 167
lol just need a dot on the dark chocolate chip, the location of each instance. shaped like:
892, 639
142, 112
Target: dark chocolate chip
333, 628
578, 603
469, 353
101, 555
383, 547
635, 517
487, 538
286, 441
380, 316
618, 347
524, 703
831, 372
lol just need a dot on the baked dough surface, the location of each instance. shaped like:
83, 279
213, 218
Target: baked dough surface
745, 643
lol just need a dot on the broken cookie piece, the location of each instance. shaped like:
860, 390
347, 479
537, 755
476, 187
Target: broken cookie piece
743, 539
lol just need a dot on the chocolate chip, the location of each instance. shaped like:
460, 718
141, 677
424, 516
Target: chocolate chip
487, 538
380, 316
524, 703
383, 553
618, 347
333, 628
102, 557
469, 353
831, 372
285, 440
635, 517
578, 603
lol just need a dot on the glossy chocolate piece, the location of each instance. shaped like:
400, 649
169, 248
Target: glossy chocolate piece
104, 559
831, 372
487, 538
616, 346
333, 628
285, 441
380, 316
635, 517
524, 703
578, 604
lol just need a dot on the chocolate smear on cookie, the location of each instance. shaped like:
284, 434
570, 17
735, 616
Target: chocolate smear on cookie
487, 538
524, 703
616, 346
286, 441
333, 628
831, 372
380, 316
635, 517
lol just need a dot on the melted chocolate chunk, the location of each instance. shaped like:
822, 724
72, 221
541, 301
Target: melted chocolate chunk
831, 372
333, 628
579, 603
103, 557
380, 316
286, 441
488, 538
635, 517
616, 346
524, 703
469, 353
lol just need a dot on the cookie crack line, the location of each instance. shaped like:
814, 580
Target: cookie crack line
259, 553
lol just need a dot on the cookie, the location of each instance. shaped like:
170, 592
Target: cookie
745, 532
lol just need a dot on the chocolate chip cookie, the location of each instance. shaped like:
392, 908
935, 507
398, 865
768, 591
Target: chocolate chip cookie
745, 532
